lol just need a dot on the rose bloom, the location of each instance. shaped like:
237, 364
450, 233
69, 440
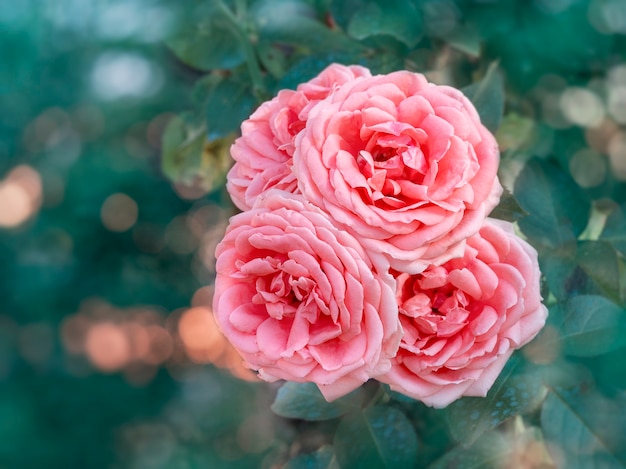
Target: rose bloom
405, 165
301, 300
263, 153
463, 320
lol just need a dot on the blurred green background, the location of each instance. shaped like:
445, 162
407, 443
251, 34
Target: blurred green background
100, 256
109, 357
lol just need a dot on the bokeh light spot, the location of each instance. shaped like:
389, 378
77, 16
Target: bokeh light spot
582, 107
198, 331
119, 212
588, 168
107, 347
617, 103
118, 75
20, 196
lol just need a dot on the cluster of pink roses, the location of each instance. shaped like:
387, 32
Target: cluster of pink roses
364, 249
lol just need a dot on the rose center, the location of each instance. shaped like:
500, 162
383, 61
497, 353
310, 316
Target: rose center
434, 313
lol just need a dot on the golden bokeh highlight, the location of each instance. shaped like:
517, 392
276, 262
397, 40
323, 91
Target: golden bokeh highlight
107, 347
119, 212
20, 196
199, 334
137, 341
202, 340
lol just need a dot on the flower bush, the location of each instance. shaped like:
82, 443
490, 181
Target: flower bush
364, 226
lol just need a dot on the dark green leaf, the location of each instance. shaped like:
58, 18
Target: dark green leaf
615, 229
208, 41
605, 266
397, 18
586, 431
491, 451
557, 208
487, 95
310, 66
323, 458
305, 401
228, 101
563, 275
378, 437
591, 325
508, 209
272, 59
466, 39
511, 394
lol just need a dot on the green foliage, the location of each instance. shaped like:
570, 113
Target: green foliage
294, 22
208, 39
508, 208
398, 18
605, 267
558, 210
587, 428
305, 401
514, 392
323, 458
377, 437
487, 95
227, 102
614, 231
590, 325
489, 452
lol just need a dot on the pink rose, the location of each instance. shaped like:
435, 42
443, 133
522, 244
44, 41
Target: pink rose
301, 300
263, 153
403, 164
462, 320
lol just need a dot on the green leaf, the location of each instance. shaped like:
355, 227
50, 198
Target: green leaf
563, 274
487, 95
182, 144
228, 101
466, 39
587, 430
491, 451
512, 393
208, 40
397, 18
312, 65
590, 325
272, 59
605, 266
189, 159
342, 11
508, 209
378, 437
323, 458
294, 22
305, 401
614, 230
557, 208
